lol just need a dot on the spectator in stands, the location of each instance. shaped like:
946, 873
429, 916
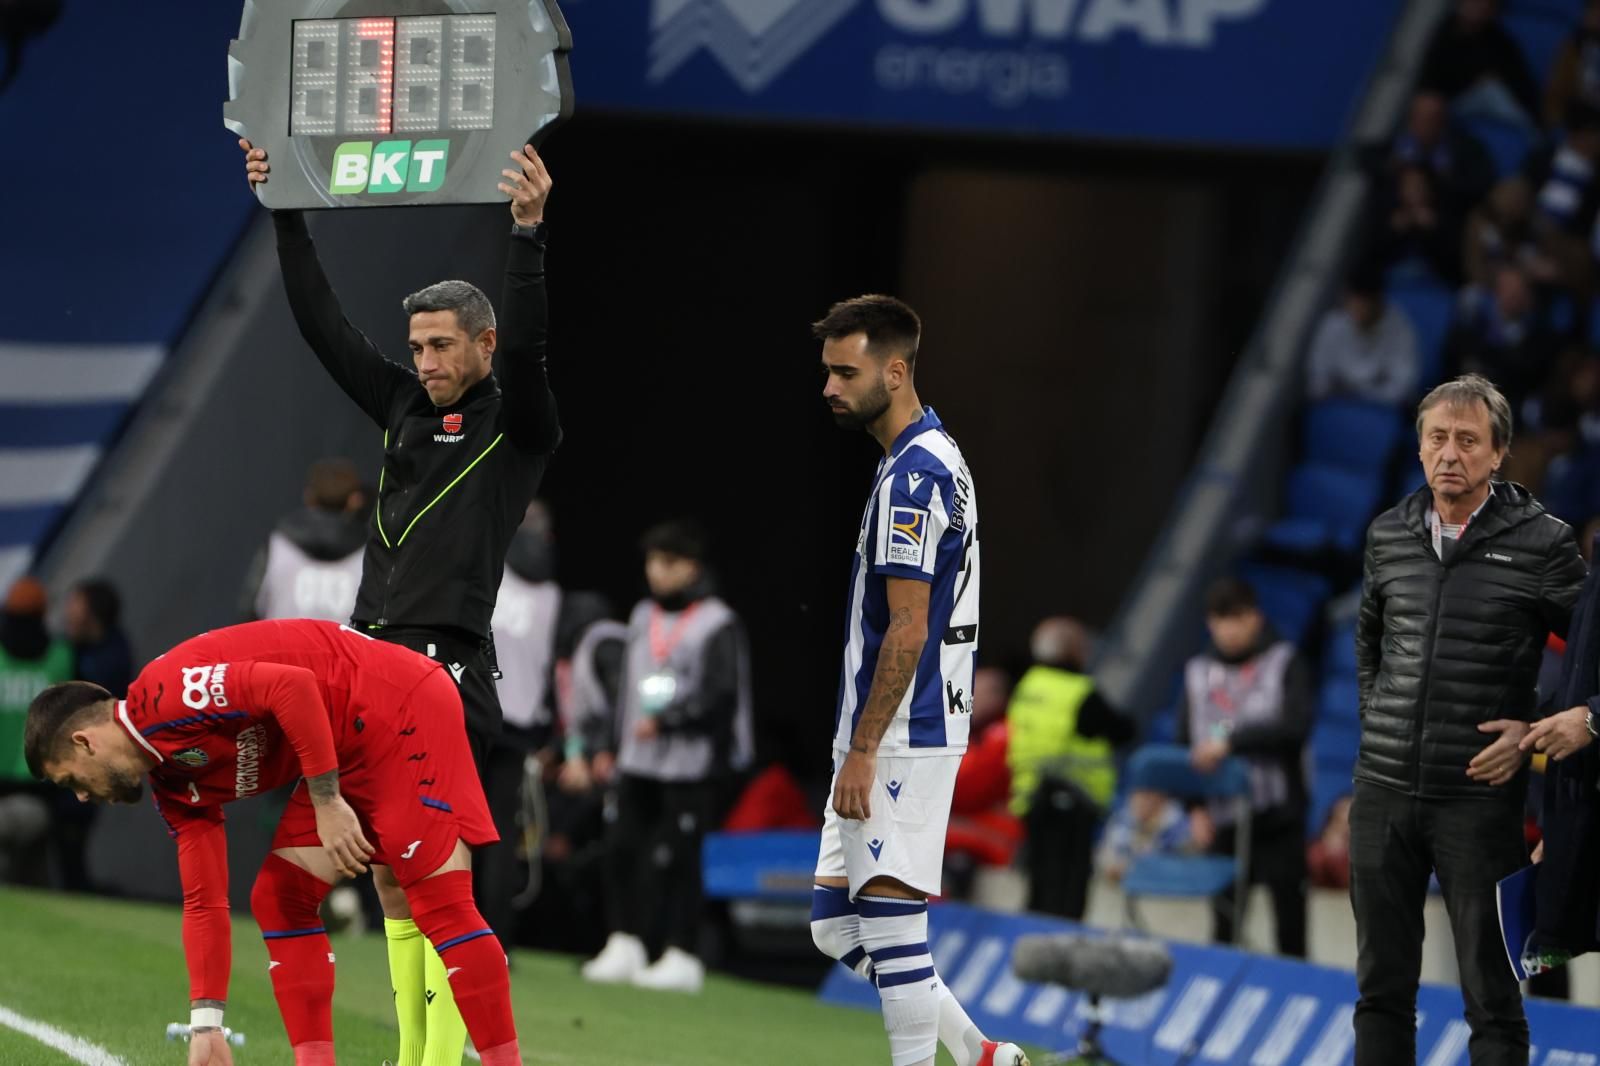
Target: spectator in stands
30, 661
537, 625
1060, 737
1147, 823
311, 564
100, 648
1499, 334
1462, 581
1419, 228
1249, 695
1560, 424
568, 912
1475, 61
1364, 349
1575, 77
1459, 165
685, 722
1500, 230
1567, 198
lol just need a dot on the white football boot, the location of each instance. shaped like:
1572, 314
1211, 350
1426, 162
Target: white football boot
620, 961
675, 971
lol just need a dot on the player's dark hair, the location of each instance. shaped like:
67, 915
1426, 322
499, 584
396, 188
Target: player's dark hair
681, 537
892, 328
53, 716
104, 601
473, 310
1228, 597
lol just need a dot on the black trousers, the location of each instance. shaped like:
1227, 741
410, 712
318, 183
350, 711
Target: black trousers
1277, 860
653, 876
1061, 825
499, 872
1396, 841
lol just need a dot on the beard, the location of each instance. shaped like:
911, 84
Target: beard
126, 787
868, 411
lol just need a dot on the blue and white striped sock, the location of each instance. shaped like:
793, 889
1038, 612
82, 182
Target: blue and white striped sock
836, 928
894, 933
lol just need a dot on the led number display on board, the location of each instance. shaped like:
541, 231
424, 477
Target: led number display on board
364, 103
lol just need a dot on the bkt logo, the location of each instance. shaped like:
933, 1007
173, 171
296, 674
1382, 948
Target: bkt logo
756, 40
390, 166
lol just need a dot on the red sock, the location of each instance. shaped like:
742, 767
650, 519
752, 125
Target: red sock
314, 1053
443, 909
285, 901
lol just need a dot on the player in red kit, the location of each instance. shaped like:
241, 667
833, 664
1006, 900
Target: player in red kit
376, 735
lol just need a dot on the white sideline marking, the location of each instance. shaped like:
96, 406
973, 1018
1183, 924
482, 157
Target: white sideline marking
70, 1046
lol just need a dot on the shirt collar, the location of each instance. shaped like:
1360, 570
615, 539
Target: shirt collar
928, 421
1477, 511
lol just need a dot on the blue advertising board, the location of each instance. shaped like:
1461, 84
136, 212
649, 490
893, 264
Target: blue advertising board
1221, 1007
1280, 74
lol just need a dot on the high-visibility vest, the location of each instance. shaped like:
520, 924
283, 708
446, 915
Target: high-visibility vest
1043, 722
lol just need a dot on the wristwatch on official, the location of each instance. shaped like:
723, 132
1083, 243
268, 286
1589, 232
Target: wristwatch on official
534, 232
1591, 724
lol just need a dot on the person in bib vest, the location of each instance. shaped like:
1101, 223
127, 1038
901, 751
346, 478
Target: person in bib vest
537, 626
1249, 695
1061, 735
311, 564
1462, 582
30, 661
685, 721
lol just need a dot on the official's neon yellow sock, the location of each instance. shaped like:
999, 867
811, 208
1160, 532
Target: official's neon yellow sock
408, 952
447, 1033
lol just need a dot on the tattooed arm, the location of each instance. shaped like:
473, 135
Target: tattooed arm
892, 677
897, 661
323, 788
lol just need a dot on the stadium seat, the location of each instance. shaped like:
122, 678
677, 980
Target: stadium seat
1539, 30
1334, 744
1162, 726
1289, 598
1328, 509
1431, 307
1339, 699
1508, 143
1166, 768
1571, 489
1351, 434
1412, 478
1561, 314
1339, 654
1327, 786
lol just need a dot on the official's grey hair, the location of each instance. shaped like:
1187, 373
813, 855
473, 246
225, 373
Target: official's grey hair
1465, 391
473, 310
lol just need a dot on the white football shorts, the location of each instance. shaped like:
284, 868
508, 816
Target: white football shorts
904, 837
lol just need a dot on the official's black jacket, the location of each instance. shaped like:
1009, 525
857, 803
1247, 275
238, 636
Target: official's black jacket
456, 480
1568, 893
1442, 647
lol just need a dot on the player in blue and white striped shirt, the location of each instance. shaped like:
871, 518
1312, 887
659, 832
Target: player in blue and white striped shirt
905, 694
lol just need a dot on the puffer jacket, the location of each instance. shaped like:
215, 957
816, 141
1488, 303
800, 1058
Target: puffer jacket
1443, 647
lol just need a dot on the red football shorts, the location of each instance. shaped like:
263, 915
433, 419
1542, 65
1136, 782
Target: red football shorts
410, 778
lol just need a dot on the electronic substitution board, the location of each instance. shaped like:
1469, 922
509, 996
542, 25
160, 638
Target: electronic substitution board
374, 103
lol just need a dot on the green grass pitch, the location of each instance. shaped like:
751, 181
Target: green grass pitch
113, 973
